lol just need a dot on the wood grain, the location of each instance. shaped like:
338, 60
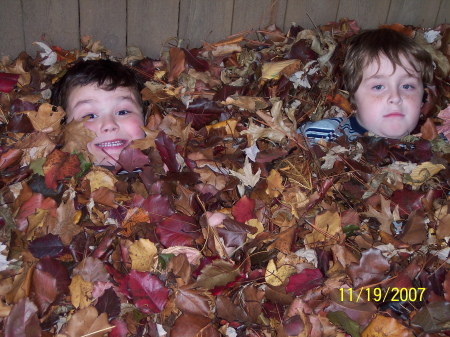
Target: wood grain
205, 20
151, 23
367, 13
105, 20
414, 12
310, 13
11, 33
54, 20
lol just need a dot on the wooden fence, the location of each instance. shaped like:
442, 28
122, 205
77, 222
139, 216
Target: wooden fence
149, 24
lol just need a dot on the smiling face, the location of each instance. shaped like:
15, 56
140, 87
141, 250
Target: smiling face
114, 116
388, 101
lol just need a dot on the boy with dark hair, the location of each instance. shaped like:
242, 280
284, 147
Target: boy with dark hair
385, 73
107, 95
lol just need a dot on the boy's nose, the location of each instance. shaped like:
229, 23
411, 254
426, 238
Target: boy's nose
109, 124
394, 97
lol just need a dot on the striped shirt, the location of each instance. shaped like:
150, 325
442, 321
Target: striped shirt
332, 128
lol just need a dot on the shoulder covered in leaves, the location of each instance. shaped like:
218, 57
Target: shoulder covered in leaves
222, 221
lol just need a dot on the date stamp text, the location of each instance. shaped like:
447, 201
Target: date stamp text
382, 295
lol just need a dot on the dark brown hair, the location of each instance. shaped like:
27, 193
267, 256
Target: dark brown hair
108, 75
369, 45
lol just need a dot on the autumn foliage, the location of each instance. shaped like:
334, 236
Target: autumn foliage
223, 221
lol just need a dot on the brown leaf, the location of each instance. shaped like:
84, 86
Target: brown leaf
87, 322
194, 302
76, 137
47, 119
372, 268
428, 130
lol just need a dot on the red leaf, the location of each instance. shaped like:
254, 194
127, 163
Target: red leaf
234, 233
306, 280
10, 158
109, 302
407, 200
23, 320
131, 159
157, 206
147, 291
120, 328
167, 149
243, 210
60, 165
196, 63
8, 81
29, 207
48, 245
20, 122
50, 280
178, 230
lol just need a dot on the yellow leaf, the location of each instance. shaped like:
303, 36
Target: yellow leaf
274, 184
327, 226
423, 172
270, 70
148, 141
254, 223
142, 253
81, 292
382, 326
276, 276
229, 125
101, 177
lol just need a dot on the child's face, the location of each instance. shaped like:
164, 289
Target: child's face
388, 102
115, 116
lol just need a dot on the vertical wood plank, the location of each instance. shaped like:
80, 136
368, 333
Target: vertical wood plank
205, 20
444, 13
367, 13
56, 19
105, 20
257, 14
11, 37
308, 13
414, 12
151, 23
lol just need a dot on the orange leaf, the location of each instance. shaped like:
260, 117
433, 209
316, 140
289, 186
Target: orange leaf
177, 63
399, 28
341, 102
60, 165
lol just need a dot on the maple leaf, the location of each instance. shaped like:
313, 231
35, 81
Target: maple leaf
385, 216
247, 177
76, 137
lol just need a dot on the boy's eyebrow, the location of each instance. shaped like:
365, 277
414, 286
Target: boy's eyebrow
89, 100
377, 76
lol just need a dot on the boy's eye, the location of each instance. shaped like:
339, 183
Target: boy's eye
123, 112
91, 116
378, 87
408, 86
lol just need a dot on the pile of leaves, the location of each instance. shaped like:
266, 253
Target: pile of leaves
223, 220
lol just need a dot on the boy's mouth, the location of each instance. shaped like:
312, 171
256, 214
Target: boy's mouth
114, 143
394, 114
